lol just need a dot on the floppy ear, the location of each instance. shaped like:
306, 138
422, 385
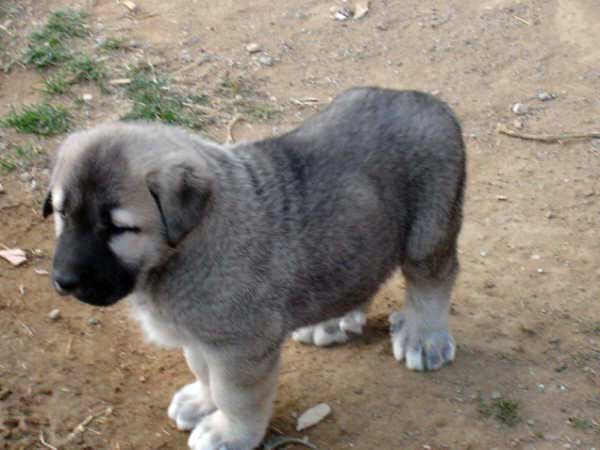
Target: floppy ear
47, 208
182, 193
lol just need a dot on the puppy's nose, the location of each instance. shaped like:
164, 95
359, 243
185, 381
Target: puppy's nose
66, 282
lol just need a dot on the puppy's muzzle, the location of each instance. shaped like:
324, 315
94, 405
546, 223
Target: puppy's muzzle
66, 283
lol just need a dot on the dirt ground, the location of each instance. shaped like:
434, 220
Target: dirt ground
526, 311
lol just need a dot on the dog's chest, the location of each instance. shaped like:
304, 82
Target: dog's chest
157, 326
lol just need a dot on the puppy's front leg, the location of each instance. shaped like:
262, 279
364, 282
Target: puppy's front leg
243, 388
193, 401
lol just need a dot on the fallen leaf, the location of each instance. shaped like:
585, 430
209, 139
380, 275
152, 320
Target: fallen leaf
15, 256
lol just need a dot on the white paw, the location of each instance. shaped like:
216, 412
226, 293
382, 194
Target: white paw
218, 432
332, 331
189, 405
421, 349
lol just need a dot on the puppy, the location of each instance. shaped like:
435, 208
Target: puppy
224, 251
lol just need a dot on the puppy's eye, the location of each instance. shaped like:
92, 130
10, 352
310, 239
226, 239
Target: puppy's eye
114, 229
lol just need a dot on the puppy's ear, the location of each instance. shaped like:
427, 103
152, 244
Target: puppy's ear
182, 193
47, 209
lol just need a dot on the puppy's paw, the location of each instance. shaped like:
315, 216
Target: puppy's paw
189, 405
218, 432
420, 348
334, 331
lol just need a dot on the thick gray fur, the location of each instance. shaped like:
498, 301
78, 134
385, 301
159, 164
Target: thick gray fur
262, 238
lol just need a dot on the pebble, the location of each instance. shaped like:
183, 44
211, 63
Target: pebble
531, 422
54, 314
93, 321
518, 124
87, 97
502, 198
540, 270
253, 47
343, 14
483, 253
496, 395
545, 96
520, 109
266, 60
313, 416
25, 177
2, 191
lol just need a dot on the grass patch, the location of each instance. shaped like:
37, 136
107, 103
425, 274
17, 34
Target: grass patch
57, 84
23, 157
42, 120
111, 44
259, 111
591, 328
503, 410
48, 46
580, 423
85, 68
65, 24
153, 101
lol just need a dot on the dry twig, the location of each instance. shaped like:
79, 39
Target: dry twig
550, 138
235, 119
44, 443
81, 427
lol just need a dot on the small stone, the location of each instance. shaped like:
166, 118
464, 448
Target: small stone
541, 387
87, 97
143, 379
554, 340
2, 191
54, 314
93, 321
344, 14
545, 96
496, 395
253, 47
25, 177
313, 416
520, 109
502, 198
33, 185
518, 124
531, 422
540, 270
483, 253
550, 215
266, 60
536, 257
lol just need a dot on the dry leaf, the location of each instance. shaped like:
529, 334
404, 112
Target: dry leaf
15, 256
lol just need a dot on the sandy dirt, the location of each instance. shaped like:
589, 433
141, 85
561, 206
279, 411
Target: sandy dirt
526, 311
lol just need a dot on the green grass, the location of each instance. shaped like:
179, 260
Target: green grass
65, 24
580, 423
153, 101
85, 68
49, 46
20, 157
42, 119
503, 410
57, 84
112, 43
259, 111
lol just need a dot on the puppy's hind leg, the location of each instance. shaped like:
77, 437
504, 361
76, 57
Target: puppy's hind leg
420, 334
193, 401
333, 331
243, 386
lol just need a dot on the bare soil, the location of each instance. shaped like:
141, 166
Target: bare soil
526, 311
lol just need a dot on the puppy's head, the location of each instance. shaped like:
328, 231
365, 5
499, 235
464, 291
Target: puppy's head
123, 200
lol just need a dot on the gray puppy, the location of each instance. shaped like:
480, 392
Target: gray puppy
225, 251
